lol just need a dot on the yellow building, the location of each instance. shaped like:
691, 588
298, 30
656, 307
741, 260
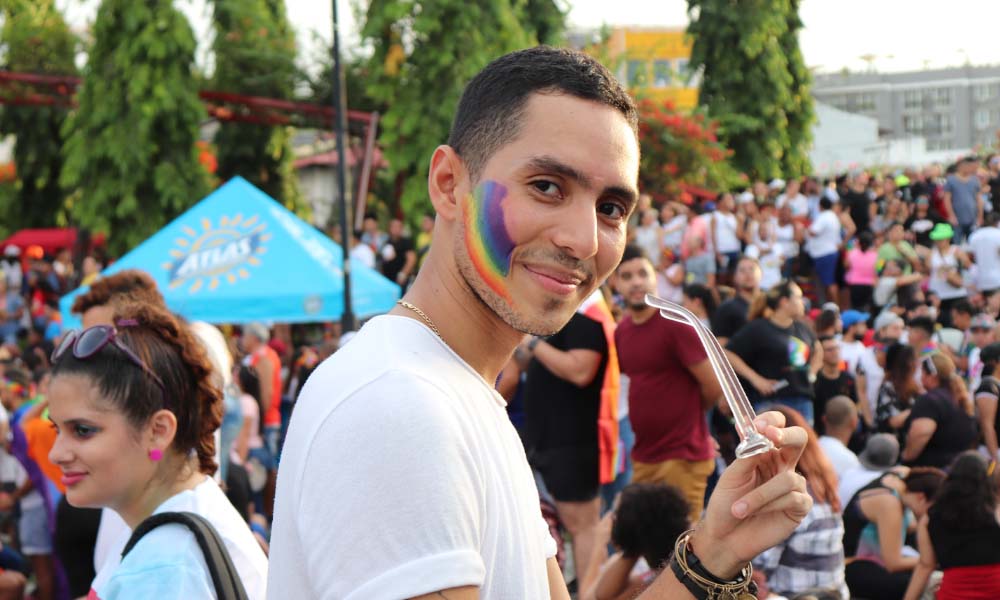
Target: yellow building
653, 62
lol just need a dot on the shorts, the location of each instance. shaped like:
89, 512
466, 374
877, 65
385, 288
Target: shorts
826, 268
570, 474
33, 529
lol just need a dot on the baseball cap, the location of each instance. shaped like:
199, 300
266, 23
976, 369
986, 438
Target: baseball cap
776, 184
942, 231
983, 321
850, 317
880, 453
745, 197
831, 306
12, 250
885, 319
259, 331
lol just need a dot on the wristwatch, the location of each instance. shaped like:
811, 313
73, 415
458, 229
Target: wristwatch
534, 342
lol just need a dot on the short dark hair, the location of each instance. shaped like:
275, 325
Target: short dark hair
649, 518
963, 306
490, 110
632, 252
825, 203
924, 323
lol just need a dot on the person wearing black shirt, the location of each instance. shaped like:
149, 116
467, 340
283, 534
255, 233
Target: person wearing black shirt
859, 202
777, 353
831, 380
397, 254
987, 397
562, 397
941, 425
919, 224
731, 315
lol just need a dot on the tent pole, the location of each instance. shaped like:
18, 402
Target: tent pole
340, 127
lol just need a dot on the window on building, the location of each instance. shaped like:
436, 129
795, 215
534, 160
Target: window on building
912, 99
637, 73
943, 96
913, 124
947, 124
983, 92
982, 118
662, 73
681, 68
940, 144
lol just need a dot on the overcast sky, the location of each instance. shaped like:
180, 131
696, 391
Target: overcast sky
899, 34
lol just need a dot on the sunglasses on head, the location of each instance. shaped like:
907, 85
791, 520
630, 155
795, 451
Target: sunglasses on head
929, 366
88, 342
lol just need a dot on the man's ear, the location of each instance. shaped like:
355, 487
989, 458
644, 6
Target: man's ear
447, 182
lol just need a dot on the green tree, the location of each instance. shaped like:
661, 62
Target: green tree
130, 149
255, 55
752, 83
423, 55
545, 20
35, 39
801, 112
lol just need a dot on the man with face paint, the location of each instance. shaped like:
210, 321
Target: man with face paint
402, 476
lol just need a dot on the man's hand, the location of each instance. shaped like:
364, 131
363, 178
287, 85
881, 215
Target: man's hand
764, 385
758, 502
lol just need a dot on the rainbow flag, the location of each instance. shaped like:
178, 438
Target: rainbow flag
611, 461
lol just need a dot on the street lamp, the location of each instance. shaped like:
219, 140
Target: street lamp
340, 127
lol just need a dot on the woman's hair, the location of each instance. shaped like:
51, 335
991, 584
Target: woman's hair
176, 355
940, 365
764, 304
924, 480
865, 240
827, 319
648, 520
249, 381
900, 362
813, 464
697, 291
967, 499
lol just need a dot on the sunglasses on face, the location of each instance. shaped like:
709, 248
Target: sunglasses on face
88, 342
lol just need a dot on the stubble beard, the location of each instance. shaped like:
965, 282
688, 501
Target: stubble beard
517, 321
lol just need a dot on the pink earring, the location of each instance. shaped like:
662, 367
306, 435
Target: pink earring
155, 454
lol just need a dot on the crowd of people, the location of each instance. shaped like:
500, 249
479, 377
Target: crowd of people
444, 452
865, 309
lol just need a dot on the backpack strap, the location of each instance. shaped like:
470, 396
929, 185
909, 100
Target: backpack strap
226, 580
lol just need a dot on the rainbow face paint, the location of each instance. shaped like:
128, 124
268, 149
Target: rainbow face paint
486, 238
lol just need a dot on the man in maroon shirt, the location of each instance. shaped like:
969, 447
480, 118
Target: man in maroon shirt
671, 386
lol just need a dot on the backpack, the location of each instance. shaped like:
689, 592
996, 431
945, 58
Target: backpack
228, 585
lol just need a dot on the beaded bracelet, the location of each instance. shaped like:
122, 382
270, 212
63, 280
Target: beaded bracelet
704, 585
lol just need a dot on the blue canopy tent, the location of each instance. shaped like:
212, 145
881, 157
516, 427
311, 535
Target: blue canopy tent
238, 256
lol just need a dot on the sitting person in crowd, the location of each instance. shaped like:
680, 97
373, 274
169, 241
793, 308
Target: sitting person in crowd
960, 535
840, 420
875, 526
892, 282
642, 528
895, 395
813, 556
987, 396
941, 424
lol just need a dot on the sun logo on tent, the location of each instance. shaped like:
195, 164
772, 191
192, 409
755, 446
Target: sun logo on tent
223, 252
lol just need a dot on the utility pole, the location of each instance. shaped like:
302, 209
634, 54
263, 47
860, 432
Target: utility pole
340, 130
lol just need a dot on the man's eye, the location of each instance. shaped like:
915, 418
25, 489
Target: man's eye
546, 187
614, 210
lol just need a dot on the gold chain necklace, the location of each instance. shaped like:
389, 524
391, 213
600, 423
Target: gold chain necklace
420, 314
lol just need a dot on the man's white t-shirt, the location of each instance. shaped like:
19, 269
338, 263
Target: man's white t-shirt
874, 374
850, 352
985, 244
364, 254
826, 235
401, 476
726, 239
167, 562
842, 458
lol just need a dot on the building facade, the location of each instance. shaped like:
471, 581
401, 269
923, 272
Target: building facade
651, 61
953, 109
